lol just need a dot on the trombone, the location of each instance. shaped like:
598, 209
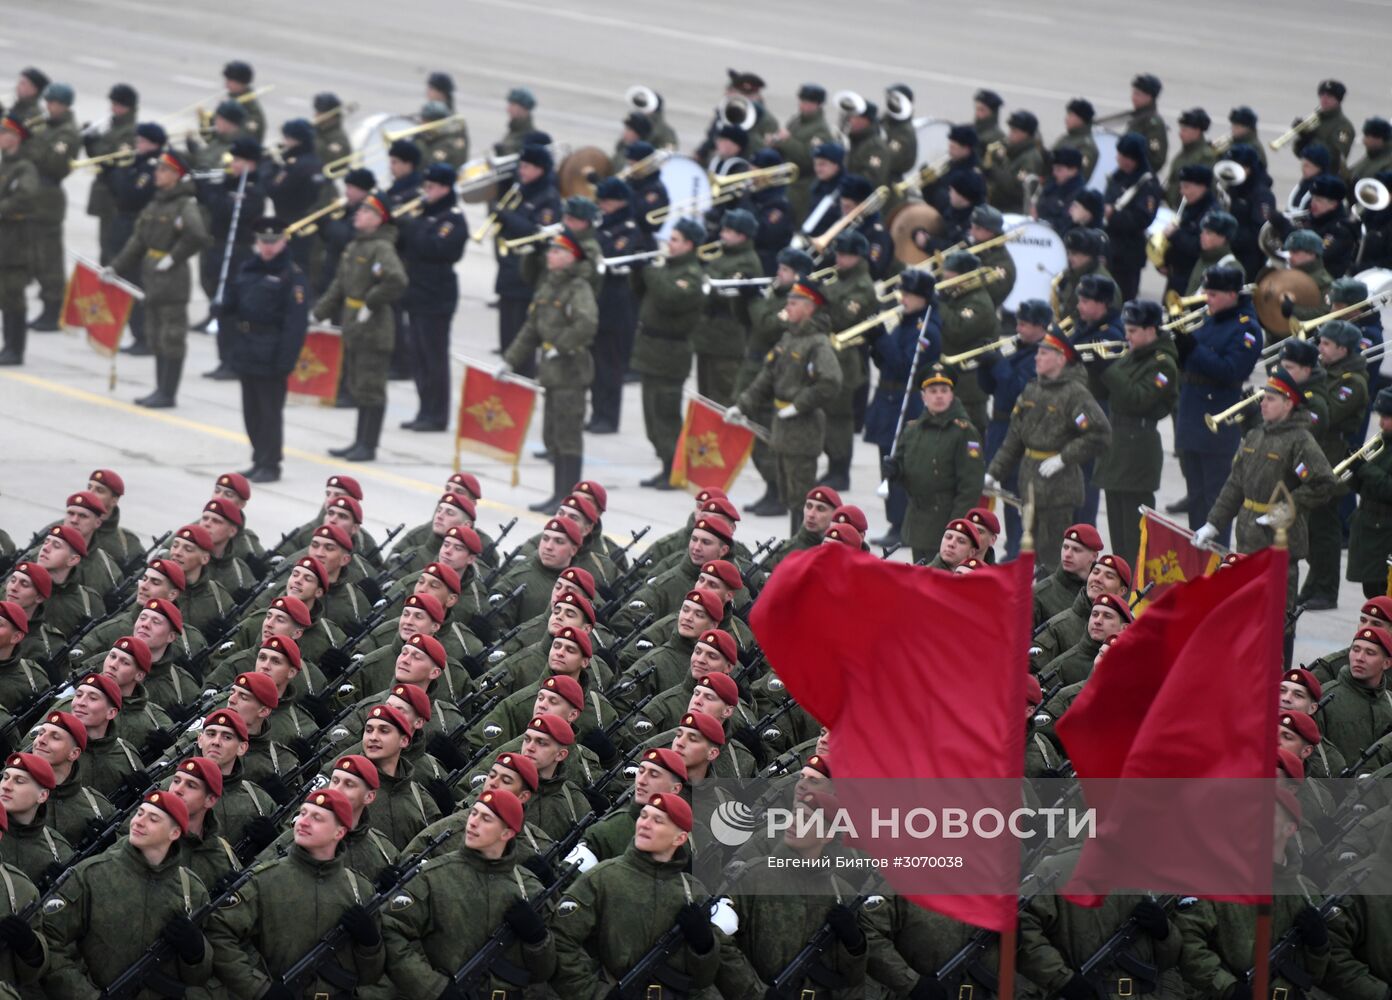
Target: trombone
122, 157
753, 180
408, 208
433, 126
968, 360
1371, 449
713, 250
818, 244
1232, 414
492, 226
925, 176
854, 335
642, 168
1301, 328
1296, 131
324, 117
1104, 350
972, 280
884, 289
523, 244
335, 169
308, 225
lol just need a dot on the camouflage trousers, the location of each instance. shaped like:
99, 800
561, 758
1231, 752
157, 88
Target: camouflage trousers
840, 438
562, 421
46, 261
1049, 526
365, 374
797, 474
166, 329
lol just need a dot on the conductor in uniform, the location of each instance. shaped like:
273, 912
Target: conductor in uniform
266, 312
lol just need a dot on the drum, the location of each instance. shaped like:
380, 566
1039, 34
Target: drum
1379, 282
1106, 159
687, 185
932, 138
369, 138
1038, 255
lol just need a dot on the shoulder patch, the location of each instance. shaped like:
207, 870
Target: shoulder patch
401, 901
567, 907
55, 905
1249, 338
1161, 380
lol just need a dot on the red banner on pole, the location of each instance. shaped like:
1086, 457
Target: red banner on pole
316, 373
1168, 556
710, 452
98, 307
494, 415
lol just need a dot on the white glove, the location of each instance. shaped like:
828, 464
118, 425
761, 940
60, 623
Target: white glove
1206, 535
788, 411
582, 856
553, 353
725, 917
504, 369
1051, 466
991, 482
364, 313
108, 274
164, 263
732, 414
1264, 520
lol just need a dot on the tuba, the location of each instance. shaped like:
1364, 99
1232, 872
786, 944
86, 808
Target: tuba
737, 110
1372, 195
643, 99
898, 106
850, 103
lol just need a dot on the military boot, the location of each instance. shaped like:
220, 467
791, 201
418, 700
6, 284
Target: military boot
565, 473
357, 439
15, 336
838, 475
167, 378
47, 321
159, 380
366, 448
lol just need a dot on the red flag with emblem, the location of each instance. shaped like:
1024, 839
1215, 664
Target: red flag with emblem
98, 307
1168, 556
316, 373
494, 415
710, 452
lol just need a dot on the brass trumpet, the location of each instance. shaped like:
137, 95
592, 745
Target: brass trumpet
855, 335
1296, 131
309, 224
324, 117
1104, 350
1231, 415
524, 243
972, 280
926, 175
1177, 305
491, 225
390, 137
754, 180
967, 360
408, 208
122, 157
1065, 326
1187, 322
1371, 449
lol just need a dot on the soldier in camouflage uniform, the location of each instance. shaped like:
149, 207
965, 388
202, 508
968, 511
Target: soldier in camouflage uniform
19, 190
25, 957
1333, 131
719, 340
52, 150
118, 135
369, 279
850, 299
1377, 146
1055, 428
800, 377
968, 321
1195, 149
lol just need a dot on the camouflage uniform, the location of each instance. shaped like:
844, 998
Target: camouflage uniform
369, 274
671, 308
719, 340
52, 150
850, 299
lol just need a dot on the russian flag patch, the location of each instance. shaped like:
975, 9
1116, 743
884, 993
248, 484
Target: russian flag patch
974, 449
1161, 380
1249, 338
1345, 392
1302, 472
1082, 421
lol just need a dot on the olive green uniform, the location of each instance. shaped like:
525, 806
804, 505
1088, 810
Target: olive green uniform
1059, 632
1005, 189
804, 132
1371, 164
369, 274
51, 149
33, 847
101, 200
901, 141
719, 339
19, 193
1335, 132
1150, 126
940, 456
445, 145
1080, 138
1197, 153
1346, 389
1357, 715
73, 804
1066, 289
672, 301
17, 893
968, 320
998, 257
765, 331
850, 299
1370, 531
1052, 417
868, 156
511, 142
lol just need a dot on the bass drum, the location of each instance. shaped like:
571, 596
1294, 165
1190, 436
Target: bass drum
1379, 282
369, 139
686, 181
1038, 255
932, 138
1106, 159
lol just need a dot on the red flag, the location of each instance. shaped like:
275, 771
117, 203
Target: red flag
918, 674
1168, 556
99, 308
317, 371
710, 452
1182, 708
494, 415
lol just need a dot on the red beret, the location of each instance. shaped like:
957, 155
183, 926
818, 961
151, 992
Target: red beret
360, 767
584, 505
1377, 636
87, 501
820, 763
1378, 607
724, 687
582, 578
1290, 763
1034, 694
286, 647
334, 534
580, 638
335, 802
1286, 799
111, 480
43, 583
237, 483
429, 604
467, 480
136, 649
1307, 680
431, 647
416, 698
984, 518
553, 726
709, 601
315, 567
468, 536
39, 769
724, 571
505, 806
722, 642
707, 725
852, 515
847, 534
523, 766
205, 771
577, 601
171, 571
347, 484
227, 720
71, 537
295, 609
667, 759
386, 713
70, 724
15, 615
197, 534
445, 575
721, 506
1302, 725
1231, 559
170, 611
226, 510
676, 809
567, 687
260, 687
826, 495
567, 527
4, 820
350, 505
709, 493
172, 806
1119, 566
1117, 604
109, 689
1085, 535
717, 526
463, 502
964, 527
594, 490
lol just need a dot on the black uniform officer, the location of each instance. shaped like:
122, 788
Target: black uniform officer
540, 206
773, 211
880, 256
1066, 181
431, 244
295, 186
1251, 203
1005, 376
225, 199
265, 313
1196, 201
1133, 194
133, 186
649, 193
403, 163
620, 234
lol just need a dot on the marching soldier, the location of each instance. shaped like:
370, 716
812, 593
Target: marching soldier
1004, 377
167, 234
370, 279
773, 212
866, 153
1333, 130
296, 187
986, 105
330, 137
1377, 148
1196, 200
1195, 149
1145, 118
1055, 428
824, 198
1361, 709
987, 223
1020, 159
133, 187
1305, 251
237, 77
1066, 181
802, 133
850, 299
540, 206
1077, 122
19, 192
619, 235
1370, 531
900, 139
118, 135
1217, 229
447, 144
25, 957
520, 105
222, 201
51, 150
719, 341
1243, 121
968, 321
29, 86
1133, 194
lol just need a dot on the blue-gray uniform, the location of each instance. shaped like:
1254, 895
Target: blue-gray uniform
893, 353
1054, 199
431, 245
619, 235
1214, 363
821, 191
1126, 226
1005, 379
881, 255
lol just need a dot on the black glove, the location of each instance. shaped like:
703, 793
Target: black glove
242, 594
279, 991
892, 468
598, 741
361, 927
135, 783
273, 786
928, 988
156, 743
184, 938
22, 940
333, 662
386, 878
1150, 917
222, 883
481, 627
301, 748
1077, 988
525, 921
694, 921
843, 923
93, 829
451, 992
111, 600
443, 749
261, 832
1240, 990
440, 792
537, 865
257, 564
1309, 924
317, 705
52, 873
370, 589
217, 628
750, 737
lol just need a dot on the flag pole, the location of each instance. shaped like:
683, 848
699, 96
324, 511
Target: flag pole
1005, 984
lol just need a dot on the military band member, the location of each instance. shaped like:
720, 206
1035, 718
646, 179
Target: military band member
446, 143
1145, 118
866, 153
519, 107
803, 132
719, 340
986, 106
1305, 252
1243, 121
296, 186
1330, 221
774, 213
1377, 150
1132, 196
968, 321
824, 197
1194, 149
330, 137
850, 299
29, 87
1196, 201
1077, 123
1217, 229
1020, 159
132, 186
619, 235
540, 206
117, 135
51, 149
222, 201
1369, 532
1333, 130
637, 127
901, 141
19, 193
1066, 180
987, 224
